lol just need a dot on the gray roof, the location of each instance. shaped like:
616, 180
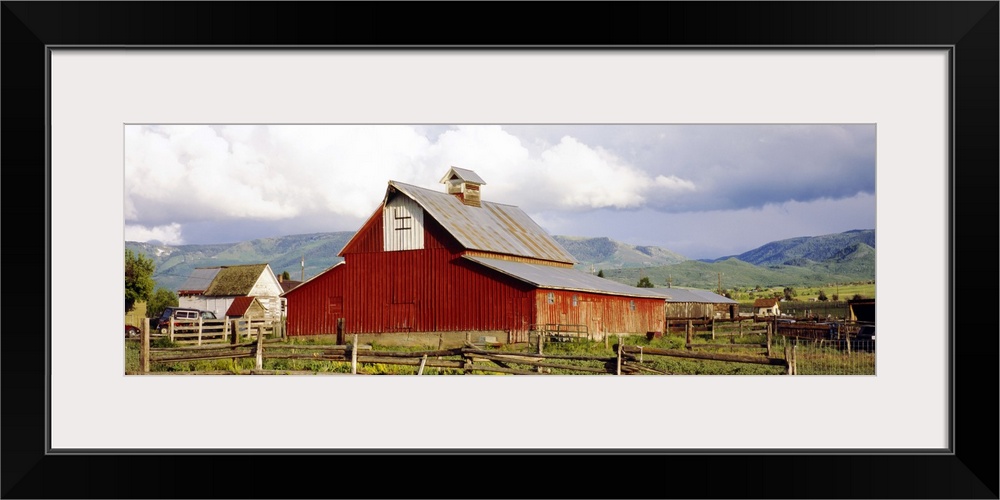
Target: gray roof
493, 227
561, 278
464, 174
695, 296
199, 280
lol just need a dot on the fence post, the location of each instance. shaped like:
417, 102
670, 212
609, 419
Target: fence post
423, 361
687, 339
340, 331
199, 330
354, 355
795, 367
788, 362
171, 329
713, 328
144, 349
619, 370
260, 351
541, 341
225, 329
740, 321
768, 340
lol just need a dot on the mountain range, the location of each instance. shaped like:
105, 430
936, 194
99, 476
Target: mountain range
803, 261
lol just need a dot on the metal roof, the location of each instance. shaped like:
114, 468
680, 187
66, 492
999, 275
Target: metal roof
199, 280
561, 278
695, 296
464, 174
493, 227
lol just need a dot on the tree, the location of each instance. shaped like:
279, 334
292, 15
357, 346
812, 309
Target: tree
286, 276
644, 282
822, 296
836, 297
789, 293
600, 273
138, 278
857, 296
160, 300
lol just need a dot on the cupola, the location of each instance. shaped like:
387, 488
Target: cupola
464, 184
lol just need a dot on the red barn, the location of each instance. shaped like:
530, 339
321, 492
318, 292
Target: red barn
429, 261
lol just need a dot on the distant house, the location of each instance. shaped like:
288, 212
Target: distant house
766, 307
288, 285
216, 288
692, 303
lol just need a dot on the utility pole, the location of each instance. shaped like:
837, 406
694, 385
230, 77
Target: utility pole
720, 283
670, 281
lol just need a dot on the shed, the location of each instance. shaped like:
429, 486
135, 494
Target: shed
246, 308
690, 303
449, 261
862, 310
767, 307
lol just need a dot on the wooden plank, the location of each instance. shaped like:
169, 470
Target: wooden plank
543, 364
736, 358
201, 358
423, 362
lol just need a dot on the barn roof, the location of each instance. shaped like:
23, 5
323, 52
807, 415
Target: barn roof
464, 174
561, 278
198, 282
696, 296
493, 227
235, 280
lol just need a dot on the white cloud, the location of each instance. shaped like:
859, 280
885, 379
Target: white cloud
169, 234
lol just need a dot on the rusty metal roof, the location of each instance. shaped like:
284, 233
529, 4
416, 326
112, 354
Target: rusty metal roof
492, 227
464, 174
561, 278
200, 279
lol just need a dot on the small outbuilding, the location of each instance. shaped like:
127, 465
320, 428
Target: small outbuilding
767, 307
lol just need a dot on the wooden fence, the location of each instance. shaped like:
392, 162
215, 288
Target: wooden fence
467, 359
223, 330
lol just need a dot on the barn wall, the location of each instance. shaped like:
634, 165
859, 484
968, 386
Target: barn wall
600, 313
313, 307
430, 290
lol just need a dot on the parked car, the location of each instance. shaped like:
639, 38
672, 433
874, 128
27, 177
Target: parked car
132, 331
181, 316
865, 339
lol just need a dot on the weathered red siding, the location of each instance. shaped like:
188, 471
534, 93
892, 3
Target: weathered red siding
314, 306
600, 313
427, 290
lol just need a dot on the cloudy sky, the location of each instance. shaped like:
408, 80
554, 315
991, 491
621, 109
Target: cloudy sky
703, 191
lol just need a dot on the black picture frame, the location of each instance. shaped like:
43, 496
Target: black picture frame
970, 29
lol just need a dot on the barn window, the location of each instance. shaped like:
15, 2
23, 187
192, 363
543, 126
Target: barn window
631, 305
403, 219
574, 300
552, 298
